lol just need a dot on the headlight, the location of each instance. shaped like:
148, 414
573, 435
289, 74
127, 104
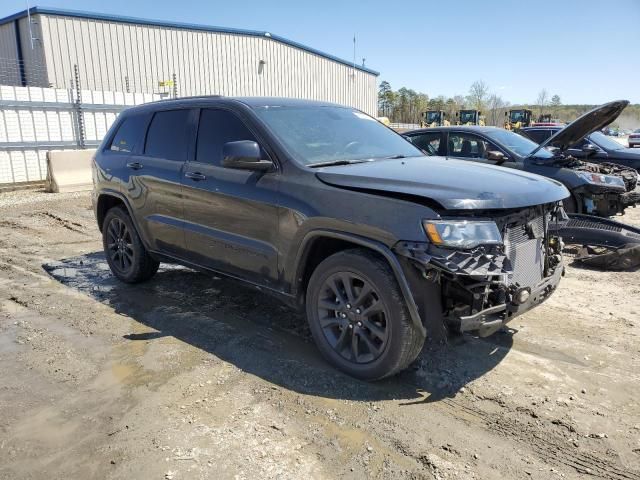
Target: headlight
462, 233
600, 179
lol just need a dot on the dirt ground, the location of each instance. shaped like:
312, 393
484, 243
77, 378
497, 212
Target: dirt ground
189, 377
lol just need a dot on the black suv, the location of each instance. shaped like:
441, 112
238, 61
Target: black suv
329, 210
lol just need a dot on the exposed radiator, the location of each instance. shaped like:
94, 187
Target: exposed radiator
525, 253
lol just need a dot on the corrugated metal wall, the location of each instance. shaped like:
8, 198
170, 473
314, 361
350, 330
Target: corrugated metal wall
33, 63
9, 71
121, 56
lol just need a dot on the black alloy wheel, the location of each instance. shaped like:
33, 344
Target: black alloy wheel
120, 246
127, 257
359, 317
353, 317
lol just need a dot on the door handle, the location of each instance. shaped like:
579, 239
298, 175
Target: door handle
134, 165
195, 176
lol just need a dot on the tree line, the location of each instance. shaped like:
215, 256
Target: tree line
407, 106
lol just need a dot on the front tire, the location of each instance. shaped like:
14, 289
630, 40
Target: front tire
128, 260
358, 316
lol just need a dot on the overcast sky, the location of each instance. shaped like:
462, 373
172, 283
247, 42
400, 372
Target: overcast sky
586, 51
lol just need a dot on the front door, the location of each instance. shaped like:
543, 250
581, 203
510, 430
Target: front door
231, 219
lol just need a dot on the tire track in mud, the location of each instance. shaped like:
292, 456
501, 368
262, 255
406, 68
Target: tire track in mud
550, 448
68, 224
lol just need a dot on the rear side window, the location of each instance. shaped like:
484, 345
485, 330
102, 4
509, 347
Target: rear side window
428, 142
129, 134
167, 136
218, 127
538, 136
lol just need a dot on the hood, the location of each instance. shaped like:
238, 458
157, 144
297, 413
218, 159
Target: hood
596, 119
454, 184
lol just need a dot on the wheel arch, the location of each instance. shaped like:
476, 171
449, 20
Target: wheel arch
320, 244
109, 199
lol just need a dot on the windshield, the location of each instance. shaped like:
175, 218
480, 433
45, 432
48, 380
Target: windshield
433, 117
517, 143
467, 117
605, 142
517, 116
314, 134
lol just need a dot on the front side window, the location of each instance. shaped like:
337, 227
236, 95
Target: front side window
318, 134
168, 135
216, 128
129, 134
464, 145
605, 142
519, 145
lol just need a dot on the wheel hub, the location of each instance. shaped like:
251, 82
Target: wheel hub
353, 318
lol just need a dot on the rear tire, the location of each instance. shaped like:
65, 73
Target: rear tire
128, 260
358, 316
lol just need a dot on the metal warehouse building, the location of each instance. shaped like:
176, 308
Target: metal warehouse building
58, 48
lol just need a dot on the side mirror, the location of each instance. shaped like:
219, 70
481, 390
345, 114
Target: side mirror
589, 149
244, 155
496, 156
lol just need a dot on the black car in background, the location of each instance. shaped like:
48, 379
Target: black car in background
602, 190
595, 147
329, 210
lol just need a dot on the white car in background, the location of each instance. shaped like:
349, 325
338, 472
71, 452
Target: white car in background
634, 138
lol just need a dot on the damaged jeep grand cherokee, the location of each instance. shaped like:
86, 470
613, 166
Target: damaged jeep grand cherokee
331, 211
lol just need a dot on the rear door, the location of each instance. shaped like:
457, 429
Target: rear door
154, 184
231, 218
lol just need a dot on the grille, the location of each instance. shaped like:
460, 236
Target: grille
526, 254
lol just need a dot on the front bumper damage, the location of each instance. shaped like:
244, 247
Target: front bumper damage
484, 288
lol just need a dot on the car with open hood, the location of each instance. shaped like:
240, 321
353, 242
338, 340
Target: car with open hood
601, 189
332, 212
595, 147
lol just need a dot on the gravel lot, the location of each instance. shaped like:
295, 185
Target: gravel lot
189, 377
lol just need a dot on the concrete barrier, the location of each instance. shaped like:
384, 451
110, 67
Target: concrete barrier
69, 170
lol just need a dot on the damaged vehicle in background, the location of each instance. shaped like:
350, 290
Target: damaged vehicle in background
331, 211
596, 189
595, 148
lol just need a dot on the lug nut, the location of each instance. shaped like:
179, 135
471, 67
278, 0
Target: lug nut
348, 305
358, 311
359, 324
343, 315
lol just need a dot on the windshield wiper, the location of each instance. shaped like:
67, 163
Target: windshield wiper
333, 163
393, 157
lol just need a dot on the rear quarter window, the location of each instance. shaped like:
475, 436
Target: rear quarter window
129, 134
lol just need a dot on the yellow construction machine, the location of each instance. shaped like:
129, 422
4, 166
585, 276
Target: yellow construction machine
435, 118
517, 119
470, 117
